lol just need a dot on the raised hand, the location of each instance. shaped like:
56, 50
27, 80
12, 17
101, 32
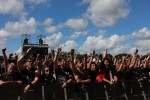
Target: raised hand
46, 57
28, 50
72, 52
3, 50
37, 56
93, 53
136, 51
59, 49
52, 50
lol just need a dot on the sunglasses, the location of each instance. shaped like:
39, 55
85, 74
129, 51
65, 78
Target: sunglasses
47, 70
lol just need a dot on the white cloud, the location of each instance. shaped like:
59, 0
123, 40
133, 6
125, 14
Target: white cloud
77, 24
107, 12
2, 43
99, 42
14, 29
101, 32
143, 44
3, 33
142, 40
19, 51
84, 32
122, 48
37, 1
54, 40
143, 33
11, 6
75, 35
85, 1
67, 46
48, 21
17, 7
51, 29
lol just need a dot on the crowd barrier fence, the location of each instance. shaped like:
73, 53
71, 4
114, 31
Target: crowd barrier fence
127, 90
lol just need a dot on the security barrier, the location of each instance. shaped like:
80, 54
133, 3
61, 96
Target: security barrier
128, 90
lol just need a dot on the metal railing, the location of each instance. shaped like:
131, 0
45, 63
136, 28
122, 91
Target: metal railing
127, 90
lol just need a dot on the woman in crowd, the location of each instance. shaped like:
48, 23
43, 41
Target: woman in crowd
11, 76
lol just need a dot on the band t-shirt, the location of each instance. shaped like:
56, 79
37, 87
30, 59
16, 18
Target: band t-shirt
62, 75
28, 75
47, 79
10, 77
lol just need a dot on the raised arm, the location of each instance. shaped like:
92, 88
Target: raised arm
75, 58
105, 53
136, 51
91, 59
5, 57
147, 60
56, 57
53, 53
85, 61
121, 65
139, 64
133, 62
134, 59
37, 61
20, 60
46, 60
72, 63
98, 58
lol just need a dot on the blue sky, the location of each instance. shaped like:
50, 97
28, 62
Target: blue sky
119, 25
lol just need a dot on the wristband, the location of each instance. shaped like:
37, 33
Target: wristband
30, 84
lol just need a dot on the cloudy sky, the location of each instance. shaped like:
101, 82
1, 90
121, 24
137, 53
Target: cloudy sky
119, 25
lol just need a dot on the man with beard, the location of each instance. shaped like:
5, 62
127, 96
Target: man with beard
63, 72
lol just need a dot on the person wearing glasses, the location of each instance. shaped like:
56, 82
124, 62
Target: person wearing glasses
30, 73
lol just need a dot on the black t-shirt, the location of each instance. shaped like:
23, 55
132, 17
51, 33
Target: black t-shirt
133, 74
84, 75
10, 77
2, 70
147, 73
62, 75
28, 75
107, 72
122, 76
93, 75
47, 79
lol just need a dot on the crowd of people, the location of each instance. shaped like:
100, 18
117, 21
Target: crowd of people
57, 68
